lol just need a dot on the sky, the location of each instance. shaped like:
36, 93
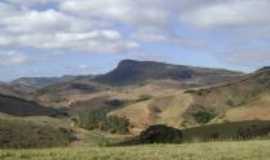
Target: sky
73, 37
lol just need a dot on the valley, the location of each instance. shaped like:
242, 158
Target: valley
116, 108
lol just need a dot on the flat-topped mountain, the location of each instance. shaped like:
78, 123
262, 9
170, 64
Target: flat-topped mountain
130, 72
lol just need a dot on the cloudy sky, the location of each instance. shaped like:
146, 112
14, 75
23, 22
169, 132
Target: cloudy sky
56, 37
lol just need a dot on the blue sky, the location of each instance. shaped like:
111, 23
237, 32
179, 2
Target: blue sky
62, 37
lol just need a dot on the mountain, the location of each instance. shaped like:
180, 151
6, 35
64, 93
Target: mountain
11, 90
266, 68
25, 87
147, 93
245, 98
39, 82
130, 72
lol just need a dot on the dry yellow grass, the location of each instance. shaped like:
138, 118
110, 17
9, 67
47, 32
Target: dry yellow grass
252, 150
166, 108
258, 109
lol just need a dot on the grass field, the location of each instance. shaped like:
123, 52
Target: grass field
250, 150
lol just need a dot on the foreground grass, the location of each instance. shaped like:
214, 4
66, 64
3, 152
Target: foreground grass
252, 150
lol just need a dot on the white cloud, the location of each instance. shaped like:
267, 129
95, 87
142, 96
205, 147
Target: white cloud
230, 13
30, 3
12, 58
83, 66
156, 36
7, 10
113, 26
43, 21
97, 41
51, 29
249, 57
126, 11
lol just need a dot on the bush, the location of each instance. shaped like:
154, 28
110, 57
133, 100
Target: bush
115, 102
252, 132
144, 98
161, 134
204, 116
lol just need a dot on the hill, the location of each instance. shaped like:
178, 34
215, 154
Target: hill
39, 82
15, 91
20, 107
245, 99
21, 133
26, 86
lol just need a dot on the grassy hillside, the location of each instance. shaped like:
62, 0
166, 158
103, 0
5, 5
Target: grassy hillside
252, 150
11, 90
21, 107
166, 107
245, 99
65, 94
241, 100
169, 103
20, 133
162, 84
39, 82
244, 130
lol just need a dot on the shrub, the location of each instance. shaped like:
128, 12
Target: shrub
204, 116
144, 98
115, 102
161, 134
252, 132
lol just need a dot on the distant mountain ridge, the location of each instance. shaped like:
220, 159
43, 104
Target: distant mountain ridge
69, 90
40, 82
134, 72
151, 93
266, 68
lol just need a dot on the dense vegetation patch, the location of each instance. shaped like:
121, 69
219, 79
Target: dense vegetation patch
98, 119
230, 130
246, 130
155, 134
203, 117
161, 134
23, 134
